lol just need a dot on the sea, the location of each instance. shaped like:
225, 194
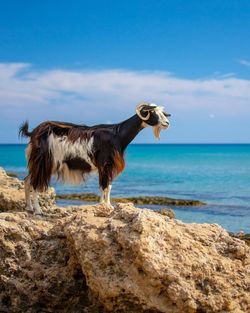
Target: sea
217, 174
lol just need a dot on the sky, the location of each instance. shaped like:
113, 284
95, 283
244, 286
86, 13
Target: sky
92, 62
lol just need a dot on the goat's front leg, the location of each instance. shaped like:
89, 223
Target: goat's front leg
105, 185
105, 195
108, 191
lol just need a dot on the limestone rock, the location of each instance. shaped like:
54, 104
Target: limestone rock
166, 212
38, 272
138, 261
12, 194
152, 200
96, 259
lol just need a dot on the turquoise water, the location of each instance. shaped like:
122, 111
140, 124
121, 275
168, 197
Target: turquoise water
216, 174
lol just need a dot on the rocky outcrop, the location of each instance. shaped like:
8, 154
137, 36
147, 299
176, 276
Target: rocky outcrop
12, 194
153, 200
139, 260
241, 235
99, 259
12, 174
38, 272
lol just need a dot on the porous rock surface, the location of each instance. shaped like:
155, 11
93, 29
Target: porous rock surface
12, 194
99, 259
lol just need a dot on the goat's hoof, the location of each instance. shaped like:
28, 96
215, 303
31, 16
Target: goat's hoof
39, 214
108, 205
29, 209
38, 211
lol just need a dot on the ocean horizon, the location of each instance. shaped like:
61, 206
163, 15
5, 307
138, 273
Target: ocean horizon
215, 173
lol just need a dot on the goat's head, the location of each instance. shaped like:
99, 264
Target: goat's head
153, 115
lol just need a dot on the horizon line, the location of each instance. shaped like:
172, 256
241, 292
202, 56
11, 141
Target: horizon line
160, 143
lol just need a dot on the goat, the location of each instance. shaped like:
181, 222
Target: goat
73, 151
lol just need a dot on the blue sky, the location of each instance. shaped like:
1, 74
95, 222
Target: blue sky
93, 61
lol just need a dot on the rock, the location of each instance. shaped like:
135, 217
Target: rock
137, 261
38, 272
12, 174
166, 212
98, 259
242, 236
12, 194
153, 200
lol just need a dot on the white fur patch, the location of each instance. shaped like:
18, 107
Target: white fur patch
163, 121
66, 175
61, 148
162, 118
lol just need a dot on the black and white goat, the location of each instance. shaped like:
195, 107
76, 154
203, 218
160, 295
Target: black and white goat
72, 151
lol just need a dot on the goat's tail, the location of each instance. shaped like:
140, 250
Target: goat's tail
24, 130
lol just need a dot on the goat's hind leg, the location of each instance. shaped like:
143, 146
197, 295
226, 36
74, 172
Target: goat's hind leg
36, 205
27, 190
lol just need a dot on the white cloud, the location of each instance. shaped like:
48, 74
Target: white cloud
110, 94
244, 62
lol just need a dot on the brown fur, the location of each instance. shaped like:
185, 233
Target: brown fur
119, 163
72, 131
40, 165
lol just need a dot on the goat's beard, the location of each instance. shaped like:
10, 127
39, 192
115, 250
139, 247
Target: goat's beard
157, 130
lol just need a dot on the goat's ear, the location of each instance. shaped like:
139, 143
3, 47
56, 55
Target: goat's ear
166, 114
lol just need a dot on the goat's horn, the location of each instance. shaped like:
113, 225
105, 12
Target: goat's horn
138, 112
